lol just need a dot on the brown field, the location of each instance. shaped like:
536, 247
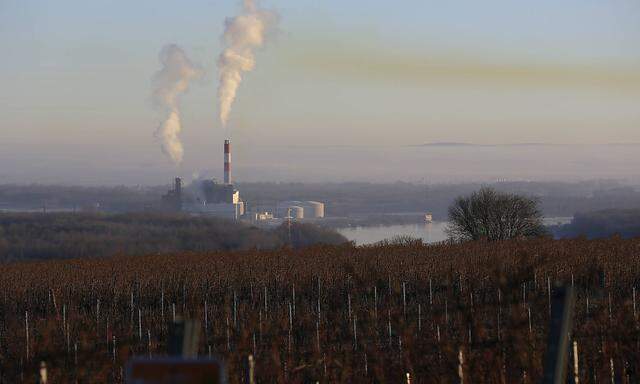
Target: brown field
369, 314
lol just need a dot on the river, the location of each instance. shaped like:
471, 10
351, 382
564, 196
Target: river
428, 232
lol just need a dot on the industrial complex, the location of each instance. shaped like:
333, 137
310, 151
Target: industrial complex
212, 198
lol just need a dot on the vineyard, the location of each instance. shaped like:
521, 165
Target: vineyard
381, 313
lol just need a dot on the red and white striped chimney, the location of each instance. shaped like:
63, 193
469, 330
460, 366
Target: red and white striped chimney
227, 161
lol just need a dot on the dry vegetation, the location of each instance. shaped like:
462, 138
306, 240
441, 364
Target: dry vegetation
330, 314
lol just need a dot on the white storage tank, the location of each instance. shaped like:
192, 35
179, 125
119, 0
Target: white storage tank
296, 212
314, 209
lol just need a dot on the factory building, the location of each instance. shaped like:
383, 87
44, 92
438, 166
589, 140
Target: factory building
212, 198
172, 200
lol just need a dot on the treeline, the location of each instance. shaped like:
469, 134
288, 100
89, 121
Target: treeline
602, 224
72, 235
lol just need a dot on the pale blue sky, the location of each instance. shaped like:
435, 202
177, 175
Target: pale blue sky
76, 75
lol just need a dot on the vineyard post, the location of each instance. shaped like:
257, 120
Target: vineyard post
389, 326
319, 298
366, 367
499, 311
64, 320
293, 297
149, 341
446, 312
349, 305
587, 304
430, 292
419, 318
131, 308
572, 279
290, 325
26, 328
139, 324
404, 299
228, 335
206, 319
252, 367
173, 311
375, 302
162, 306
576, 370
613, 372
260, 325
634, 303
460, 366
235, 309
97, 316
114, 349
549, 293
355, 334
266, 310
43, 373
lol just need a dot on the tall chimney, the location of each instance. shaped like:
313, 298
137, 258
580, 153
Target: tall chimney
227, 161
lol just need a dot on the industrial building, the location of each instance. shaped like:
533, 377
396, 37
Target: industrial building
172, 200
212, 198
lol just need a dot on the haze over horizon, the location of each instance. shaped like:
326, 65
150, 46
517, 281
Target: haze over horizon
340, 92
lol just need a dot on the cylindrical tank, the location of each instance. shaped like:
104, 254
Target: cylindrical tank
296, 212
314, 209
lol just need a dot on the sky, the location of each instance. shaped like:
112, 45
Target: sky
340, 91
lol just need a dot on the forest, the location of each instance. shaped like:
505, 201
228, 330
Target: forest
66, 235
477, 311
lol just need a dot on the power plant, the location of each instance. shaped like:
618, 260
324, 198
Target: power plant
212, 198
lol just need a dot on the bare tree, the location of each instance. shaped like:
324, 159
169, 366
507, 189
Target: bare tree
492, 215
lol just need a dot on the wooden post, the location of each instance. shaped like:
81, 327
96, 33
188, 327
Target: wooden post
252, 364
26, 328
460, 366
42, 379
576, 370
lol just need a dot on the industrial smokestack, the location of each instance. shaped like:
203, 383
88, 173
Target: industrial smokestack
227, 161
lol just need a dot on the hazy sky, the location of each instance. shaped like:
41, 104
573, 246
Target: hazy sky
75, 98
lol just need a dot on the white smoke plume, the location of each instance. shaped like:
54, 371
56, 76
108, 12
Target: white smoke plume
242, 35
171, 81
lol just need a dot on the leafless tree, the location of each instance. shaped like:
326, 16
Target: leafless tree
492, 215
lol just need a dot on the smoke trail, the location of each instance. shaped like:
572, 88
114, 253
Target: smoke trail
169, 83
242, 34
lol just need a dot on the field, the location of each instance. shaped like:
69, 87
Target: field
329, 313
